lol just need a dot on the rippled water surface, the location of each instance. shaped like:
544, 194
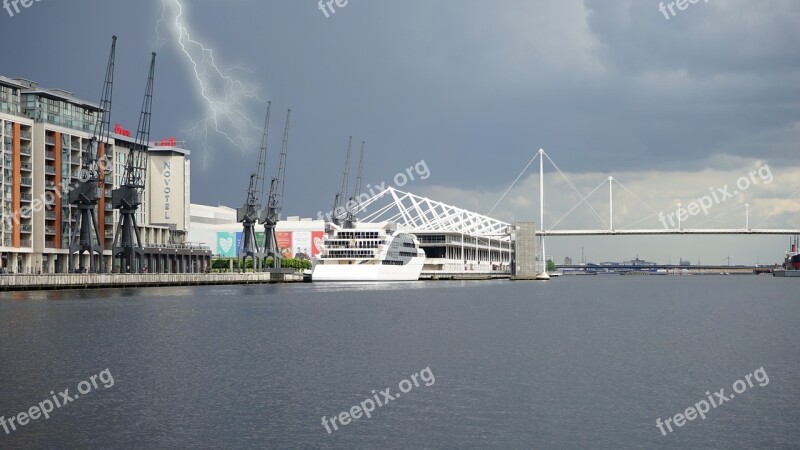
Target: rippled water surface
576, 362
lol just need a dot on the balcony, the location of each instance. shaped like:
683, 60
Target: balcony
26, 150
26, 167
49, 154
108, 207
109, 234
50, 231
26, 134
50, 139
109, 220
26, 228
50, 170
50, 244
50, 215
26, 181
26, 243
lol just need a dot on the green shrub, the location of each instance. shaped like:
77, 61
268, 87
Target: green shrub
224, 264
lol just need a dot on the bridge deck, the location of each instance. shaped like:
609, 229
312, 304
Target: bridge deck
661, 231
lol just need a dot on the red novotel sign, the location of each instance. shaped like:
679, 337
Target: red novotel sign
121, 131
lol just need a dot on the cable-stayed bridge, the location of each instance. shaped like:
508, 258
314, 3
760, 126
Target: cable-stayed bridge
421, 213
491, 238
672, 221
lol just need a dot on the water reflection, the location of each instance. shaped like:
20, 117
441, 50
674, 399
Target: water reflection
235, 290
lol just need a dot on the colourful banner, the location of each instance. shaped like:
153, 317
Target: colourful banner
301, 243
316, 240
226, 244
239, 243
285, 243
260, 239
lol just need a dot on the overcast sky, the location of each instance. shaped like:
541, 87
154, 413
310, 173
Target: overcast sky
669, 107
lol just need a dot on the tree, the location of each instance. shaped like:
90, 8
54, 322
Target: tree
551, 266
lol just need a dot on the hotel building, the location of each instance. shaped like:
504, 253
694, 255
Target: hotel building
45, 134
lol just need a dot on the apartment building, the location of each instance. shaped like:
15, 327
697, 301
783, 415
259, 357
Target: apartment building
45, 134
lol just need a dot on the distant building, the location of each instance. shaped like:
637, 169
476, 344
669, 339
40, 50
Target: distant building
567, 261
685, 263
217, 227
638, 262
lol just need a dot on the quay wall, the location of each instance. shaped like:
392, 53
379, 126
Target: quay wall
104, 280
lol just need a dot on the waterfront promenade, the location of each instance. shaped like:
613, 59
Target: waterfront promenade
13, 282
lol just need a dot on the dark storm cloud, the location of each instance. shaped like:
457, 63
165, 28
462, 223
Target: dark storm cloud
720, 77
472, 87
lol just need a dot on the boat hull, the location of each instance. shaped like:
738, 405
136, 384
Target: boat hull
368, 272
781, 273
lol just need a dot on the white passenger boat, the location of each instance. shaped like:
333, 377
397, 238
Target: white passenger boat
368, 252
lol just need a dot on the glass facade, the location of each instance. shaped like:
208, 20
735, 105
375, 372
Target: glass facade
9, 100
42, 108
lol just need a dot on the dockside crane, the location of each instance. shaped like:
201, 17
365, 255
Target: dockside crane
127, 198
353, 203
337, 213
250, 212
85, 190
271, 215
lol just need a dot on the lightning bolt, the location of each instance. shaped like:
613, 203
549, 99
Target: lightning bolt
225, 97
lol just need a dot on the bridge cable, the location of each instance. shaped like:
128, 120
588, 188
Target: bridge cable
602, 183
627, 227
512, 184
576, 191
736, 208
636, 196
793, 195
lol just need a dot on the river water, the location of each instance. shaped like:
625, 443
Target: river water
576, 362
